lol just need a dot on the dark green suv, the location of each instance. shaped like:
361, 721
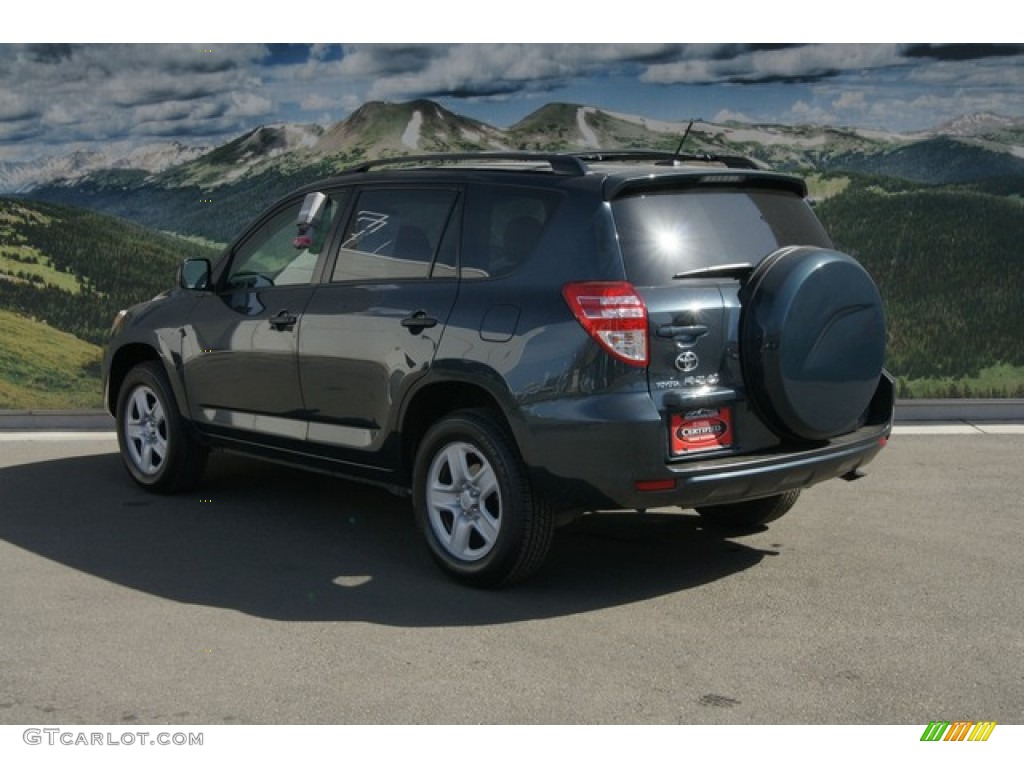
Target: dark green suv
512, 339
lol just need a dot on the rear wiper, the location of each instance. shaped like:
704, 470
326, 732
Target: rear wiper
739, 271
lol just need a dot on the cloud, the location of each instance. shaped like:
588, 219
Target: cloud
15, 107
989, 73
494, 70
315, 102
803, 112
856, 100
178, 111
249, 105
67, 93
755, 64
48, 53
506, 71
51, 95
963, 51
373, 61
729, 116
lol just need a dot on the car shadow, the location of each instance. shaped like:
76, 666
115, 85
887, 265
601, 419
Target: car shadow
294, 546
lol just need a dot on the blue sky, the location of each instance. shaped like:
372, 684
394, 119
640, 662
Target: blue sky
55, 98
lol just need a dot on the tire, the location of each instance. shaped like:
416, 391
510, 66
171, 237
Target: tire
157, 448
473, 502
748, 515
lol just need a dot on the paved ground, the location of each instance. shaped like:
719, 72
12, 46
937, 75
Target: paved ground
279, 597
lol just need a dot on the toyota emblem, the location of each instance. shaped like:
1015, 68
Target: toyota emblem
687, 361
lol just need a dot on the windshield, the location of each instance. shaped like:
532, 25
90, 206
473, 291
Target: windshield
664, 233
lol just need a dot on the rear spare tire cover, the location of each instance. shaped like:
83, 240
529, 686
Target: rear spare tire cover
812, 341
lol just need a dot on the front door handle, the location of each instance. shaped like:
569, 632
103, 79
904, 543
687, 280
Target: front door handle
283, 319
418, 320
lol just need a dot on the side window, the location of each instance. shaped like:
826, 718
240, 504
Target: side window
394, 233
447, 260
503, 225
274, 255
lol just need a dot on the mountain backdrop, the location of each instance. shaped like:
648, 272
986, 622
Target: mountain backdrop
937, 217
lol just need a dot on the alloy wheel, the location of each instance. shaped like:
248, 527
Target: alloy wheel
145, 430
463, 501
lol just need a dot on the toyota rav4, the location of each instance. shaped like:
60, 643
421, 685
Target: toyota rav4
512, 339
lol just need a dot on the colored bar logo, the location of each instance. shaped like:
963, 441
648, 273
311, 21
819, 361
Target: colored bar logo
958, 730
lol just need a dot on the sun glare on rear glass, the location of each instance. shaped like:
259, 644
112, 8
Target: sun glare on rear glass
667, 241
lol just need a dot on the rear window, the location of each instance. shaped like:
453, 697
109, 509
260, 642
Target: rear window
664, 233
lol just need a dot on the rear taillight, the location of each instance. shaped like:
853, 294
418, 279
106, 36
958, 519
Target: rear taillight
615, 315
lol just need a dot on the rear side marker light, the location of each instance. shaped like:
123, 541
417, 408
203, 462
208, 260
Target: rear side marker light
655, 485
614, 315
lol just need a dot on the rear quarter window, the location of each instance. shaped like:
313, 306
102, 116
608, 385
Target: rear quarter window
663, 233
503, 225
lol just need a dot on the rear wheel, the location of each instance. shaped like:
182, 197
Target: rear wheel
746, 515
156, 446
474, 504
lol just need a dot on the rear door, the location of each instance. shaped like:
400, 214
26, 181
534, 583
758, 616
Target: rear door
373, 326
687, 251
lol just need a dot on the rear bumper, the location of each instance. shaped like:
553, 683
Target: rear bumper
752, 476
597, 462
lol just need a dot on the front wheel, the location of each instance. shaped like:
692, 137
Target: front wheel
474, 505
747, 515
157, 449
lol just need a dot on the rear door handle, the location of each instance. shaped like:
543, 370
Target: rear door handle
418, 320
687, 332
283, 319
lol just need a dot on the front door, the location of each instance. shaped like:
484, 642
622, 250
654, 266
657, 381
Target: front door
240, 348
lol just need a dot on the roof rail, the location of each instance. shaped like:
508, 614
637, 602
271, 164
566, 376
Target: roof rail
564, 164
665, 158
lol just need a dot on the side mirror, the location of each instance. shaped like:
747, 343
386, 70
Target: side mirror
312, 207
194, 274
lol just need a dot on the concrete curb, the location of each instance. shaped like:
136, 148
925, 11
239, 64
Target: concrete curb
987, 411
907, 412
79, 420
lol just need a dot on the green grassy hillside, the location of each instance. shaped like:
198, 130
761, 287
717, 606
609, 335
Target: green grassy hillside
947, 259
64, 273
41, 367
935, 161
74, 269
948, 262
215, 213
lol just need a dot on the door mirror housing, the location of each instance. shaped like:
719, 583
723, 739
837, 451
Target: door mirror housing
313, 206
194, 274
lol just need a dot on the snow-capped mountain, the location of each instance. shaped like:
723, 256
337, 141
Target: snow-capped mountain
379, 129
18, 177
979, 124
239, 156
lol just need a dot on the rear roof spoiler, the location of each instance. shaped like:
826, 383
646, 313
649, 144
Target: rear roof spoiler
621, 186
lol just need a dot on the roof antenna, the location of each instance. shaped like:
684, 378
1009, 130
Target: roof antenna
679, 149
